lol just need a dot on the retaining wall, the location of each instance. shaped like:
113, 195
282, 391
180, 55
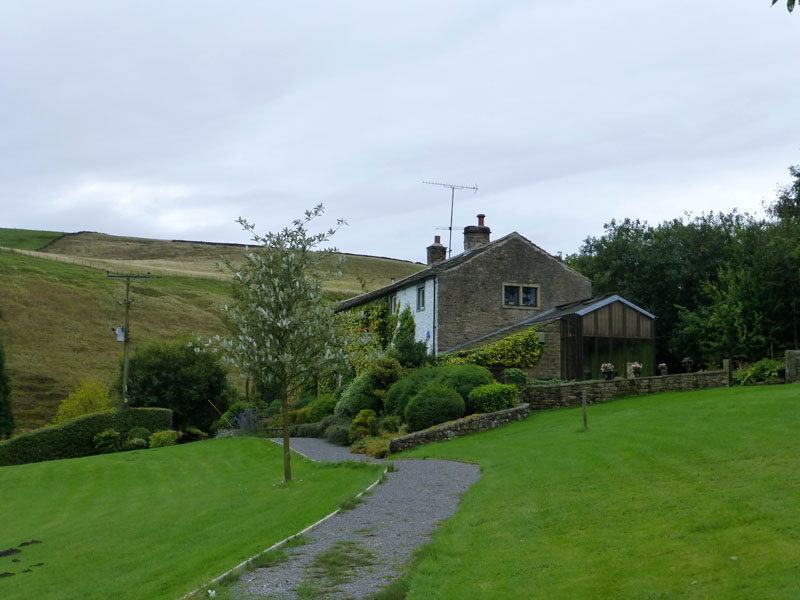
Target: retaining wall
544, 397
461, 427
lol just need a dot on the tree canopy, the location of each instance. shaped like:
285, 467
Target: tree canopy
721, 285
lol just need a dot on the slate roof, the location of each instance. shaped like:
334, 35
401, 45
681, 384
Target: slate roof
435, 269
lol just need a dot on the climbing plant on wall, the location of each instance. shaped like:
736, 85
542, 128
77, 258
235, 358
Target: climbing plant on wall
519, 350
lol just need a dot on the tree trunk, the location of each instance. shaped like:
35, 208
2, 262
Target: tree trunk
287, 458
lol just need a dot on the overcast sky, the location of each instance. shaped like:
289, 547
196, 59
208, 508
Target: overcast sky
170, 119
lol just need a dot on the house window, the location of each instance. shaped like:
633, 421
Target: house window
421, 298
394, 304
526, 296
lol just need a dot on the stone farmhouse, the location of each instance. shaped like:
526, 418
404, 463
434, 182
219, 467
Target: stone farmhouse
488, 291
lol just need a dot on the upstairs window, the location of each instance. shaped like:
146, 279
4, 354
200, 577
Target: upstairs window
526, 296
421, 298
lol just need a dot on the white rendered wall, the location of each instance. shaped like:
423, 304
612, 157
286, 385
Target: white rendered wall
423, 319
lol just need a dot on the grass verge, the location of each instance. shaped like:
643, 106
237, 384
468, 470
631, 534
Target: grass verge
156, 523
683, 495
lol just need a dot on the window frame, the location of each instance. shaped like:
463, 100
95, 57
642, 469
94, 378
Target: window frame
420, 298
520, 294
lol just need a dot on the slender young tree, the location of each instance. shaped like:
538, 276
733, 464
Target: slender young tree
789, 4
283, 333
6, 413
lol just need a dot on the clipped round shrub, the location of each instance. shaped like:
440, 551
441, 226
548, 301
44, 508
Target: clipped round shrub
139, 432
136, 443
491, 397
463, 378
338, 435
363, 425
516, 377
401, 392
321, 407
435, 403
164, 438
107, 441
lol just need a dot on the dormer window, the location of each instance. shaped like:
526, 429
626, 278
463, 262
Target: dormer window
518, 295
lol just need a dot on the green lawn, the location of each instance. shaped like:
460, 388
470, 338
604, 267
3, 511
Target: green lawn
157, 523
684, 495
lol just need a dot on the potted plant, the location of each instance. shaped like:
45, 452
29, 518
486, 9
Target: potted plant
608, 370
636, 367
662, 368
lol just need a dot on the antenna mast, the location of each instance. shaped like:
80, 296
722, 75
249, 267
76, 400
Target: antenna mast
453, 189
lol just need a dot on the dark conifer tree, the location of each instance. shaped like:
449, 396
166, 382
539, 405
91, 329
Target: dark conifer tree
6, 413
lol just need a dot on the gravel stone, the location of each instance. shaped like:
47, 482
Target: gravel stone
397, 517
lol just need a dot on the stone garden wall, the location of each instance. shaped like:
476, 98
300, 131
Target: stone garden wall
454, 429
792, 366
544, 397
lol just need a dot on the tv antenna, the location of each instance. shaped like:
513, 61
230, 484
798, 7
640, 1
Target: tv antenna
123, 331
453, 189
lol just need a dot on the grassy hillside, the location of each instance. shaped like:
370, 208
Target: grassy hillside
681, 495
157, 523
57, 307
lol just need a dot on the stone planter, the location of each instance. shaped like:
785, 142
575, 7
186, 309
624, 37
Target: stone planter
608, 375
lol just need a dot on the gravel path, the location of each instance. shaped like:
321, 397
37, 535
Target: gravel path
382, 532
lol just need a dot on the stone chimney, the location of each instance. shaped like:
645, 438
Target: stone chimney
436, 252
476, 236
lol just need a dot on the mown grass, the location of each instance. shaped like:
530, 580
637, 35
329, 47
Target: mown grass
682, 495
157, 523
26, 239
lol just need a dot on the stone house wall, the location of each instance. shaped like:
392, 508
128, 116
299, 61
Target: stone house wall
460, 427
423, 319
549, 364
470, 295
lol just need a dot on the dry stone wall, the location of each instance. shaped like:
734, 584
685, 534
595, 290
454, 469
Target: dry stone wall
544, 397
461, 427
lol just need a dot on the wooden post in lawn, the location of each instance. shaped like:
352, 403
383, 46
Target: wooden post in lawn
583, 404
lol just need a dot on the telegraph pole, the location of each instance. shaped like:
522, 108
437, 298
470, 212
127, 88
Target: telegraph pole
127, 300
453, 189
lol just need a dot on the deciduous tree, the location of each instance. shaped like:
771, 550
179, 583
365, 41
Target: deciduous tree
283, 332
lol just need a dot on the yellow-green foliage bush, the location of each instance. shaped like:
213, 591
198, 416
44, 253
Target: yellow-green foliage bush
164, 438
91, 396
520, 350
363, 425
491, 397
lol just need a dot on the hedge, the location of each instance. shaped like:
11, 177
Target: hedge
74, 438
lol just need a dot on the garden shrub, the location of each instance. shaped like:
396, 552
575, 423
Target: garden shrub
516, 377
75, 438
363, 425
463, 378
107, 441
765, 369
408, 351
435, 403
92, 395
192, 434
376, 447
314, 430
164, 438
390, 424
184, 378
491, 397
300, 415
139, 432
321, 407
337, 434
368, 389
136, 443
401, 392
